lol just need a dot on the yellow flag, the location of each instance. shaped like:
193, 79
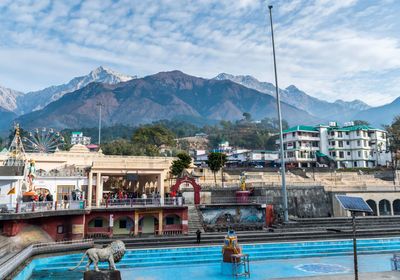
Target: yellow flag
12, 191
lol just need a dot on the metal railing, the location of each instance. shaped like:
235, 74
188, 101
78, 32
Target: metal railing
132, 202
41, 248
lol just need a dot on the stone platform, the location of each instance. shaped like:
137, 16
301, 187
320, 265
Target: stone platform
102, 275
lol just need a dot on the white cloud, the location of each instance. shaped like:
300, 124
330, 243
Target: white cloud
321, 44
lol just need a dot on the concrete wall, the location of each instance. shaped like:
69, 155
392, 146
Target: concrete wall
302, 201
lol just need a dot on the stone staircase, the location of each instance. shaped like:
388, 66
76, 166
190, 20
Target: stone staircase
195, 220
5, 250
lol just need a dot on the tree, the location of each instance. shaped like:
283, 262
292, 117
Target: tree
119, 147
393, 136
150, 138
180, 164
215, 162
361, 122
247, 116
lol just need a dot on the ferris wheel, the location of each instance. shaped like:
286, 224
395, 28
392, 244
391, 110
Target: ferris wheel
43, 140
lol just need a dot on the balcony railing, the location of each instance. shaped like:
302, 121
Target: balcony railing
43, 206
132, 202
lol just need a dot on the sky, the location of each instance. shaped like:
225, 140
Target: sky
331, 49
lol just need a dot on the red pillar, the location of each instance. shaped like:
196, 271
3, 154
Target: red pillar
185, 223
78, 227
12, 228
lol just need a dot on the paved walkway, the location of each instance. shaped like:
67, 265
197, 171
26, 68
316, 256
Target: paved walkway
389, 275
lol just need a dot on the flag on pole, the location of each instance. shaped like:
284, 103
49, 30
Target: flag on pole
12, 191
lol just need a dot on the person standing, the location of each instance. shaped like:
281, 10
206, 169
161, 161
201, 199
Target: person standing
198, 235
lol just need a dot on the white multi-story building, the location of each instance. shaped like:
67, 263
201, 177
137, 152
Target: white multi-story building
78, 138
349, 146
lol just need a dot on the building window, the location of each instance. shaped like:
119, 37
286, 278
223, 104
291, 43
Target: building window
359, 153
347, 133
169, 220
340, 134
358, 133
348, 153
60, 229
122, 223
341, 144
98, 223
355, 164
293, 134
332, 133
366, 154
341, 154
365, 143
347, 143
358, 143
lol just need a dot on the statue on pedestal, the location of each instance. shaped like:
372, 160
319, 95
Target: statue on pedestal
112, 254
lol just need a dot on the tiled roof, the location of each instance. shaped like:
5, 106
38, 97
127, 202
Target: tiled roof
354, 128
301, 128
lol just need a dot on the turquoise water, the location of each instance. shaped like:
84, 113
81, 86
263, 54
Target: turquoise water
268, 261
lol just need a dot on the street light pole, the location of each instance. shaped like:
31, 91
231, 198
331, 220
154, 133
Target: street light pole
100, 105
278, 102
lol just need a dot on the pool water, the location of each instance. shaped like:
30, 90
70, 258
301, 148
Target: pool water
267, 261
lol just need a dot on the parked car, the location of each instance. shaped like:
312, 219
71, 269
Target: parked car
258, 166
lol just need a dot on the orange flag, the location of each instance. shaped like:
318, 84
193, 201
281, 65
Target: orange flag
12, 191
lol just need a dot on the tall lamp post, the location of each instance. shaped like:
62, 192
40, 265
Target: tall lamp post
100, 105
278, 103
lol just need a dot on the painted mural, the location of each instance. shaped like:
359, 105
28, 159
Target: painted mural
233, 215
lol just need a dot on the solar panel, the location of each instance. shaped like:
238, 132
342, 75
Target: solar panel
353, 203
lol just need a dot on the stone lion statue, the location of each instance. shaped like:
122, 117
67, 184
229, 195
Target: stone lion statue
112, 254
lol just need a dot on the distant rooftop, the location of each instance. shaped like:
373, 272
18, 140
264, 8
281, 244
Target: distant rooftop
354, 128
330, 128
301, 128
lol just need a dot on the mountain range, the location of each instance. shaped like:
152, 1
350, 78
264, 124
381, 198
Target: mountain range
339, 110
166, 95
37, 100
131, 100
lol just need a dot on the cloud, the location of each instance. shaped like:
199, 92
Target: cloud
324, 47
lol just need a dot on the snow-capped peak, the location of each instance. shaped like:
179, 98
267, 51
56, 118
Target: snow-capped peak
101, 71
8, 98
36, 100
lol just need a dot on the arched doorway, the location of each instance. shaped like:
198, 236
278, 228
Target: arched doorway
372, 204
396, 207
148, 224
123, 225
384, 208
192, 182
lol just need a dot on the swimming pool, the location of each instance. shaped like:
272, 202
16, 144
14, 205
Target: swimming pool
268, 261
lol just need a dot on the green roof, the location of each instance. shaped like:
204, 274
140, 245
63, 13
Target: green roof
301, 128
354, 128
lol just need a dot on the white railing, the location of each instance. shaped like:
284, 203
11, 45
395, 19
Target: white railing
44, 206
14, 262
132, 202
